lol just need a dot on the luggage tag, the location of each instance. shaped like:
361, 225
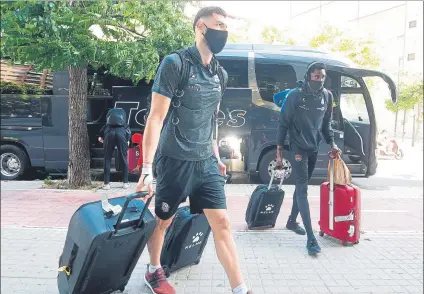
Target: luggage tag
109, 209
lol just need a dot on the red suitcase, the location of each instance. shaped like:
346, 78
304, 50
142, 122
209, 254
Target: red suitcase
340, 210
133, 155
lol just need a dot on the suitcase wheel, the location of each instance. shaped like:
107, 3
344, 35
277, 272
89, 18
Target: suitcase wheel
197, 262
344, 243
357, 242
122, 289
321, 233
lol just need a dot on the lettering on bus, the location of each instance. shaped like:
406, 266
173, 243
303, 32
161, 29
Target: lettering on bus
234, 118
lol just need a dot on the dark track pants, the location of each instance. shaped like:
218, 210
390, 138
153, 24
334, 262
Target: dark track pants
115, 137
303, 166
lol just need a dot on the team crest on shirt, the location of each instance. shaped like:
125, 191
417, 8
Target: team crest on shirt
165, 207
298, 157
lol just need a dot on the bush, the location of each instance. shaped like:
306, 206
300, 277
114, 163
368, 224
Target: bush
17, 88
11, 88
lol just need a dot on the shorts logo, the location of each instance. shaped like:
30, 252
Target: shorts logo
165, 207
298, 157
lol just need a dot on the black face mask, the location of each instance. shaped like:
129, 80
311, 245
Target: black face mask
215, 39
316, 86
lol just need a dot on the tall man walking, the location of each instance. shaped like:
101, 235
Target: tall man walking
187, 161
306, 114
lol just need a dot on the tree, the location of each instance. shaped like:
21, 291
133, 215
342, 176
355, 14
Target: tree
128, 37
242, 35
410, 95
273, 35
359, 51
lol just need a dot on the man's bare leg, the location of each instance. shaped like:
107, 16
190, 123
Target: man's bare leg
225, 245
155, 243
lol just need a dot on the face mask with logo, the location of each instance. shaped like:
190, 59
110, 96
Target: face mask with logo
215, 39
316, 85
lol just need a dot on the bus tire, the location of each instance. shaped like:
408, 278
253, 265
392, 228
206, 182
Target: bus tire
268, 162
14, 162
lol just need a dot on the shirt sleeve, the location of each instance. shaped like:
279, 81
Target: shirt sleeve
327, 130
168, 76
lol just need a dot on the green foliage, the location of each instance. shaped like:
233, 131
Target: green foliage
359, 52
327, 36
128, 37
241, 36
272, 34
17, 88
409, 96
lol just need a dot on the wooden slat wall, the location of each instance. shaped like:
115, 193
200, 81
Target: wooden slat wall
23, 74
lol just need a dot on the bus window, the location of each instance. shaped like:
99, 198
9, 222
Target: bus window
274, 78
237, 73
353, 107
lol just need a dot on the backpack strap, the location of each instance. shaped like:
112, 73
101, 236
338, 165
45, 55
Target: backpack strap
223, 83
185, 69
222, 79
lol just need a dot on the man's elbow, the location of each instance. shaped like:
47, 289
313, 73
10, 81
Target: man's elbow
155, 119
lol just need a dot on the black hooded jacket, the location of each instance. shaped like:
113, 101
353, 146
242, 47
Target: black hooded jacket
307, 117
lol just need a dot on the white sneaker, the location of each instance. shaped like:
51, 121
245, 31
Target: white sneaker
106, 187
126, 186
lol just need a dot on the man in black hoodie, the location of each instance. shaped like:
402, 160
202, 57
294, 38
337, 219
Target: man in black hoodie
306, 113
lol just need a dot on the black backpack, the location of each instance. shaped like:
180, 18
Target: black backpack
184, 76
116, 117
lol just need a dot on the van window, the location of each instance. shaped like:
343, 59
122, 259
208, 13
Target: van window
20, 107
274, 78
353, 107
348, 82
237, 73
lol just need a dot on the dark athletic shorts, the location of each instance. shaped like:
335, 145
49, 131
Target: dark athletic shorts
176, 180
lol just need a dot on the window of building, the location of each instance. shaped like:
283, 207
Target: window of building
237, 72
411, 56
412, 24
274, 78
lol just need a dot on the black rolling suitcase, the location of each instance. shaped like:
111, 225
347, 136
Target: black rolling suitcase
185, 240
101, 250
264, 205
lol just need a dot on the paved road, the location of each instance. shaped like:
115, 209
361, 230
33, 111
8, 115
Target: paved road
391, 209
389, 258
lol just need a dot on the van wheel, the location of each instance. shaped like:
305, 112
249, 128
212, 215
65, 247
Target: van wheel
14, 162
267, 164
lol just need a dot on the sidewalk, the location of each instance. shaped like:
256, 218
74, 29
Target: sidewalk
272, 262
389, 258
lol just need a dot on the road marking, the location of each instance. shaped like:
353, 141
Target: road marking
383, 210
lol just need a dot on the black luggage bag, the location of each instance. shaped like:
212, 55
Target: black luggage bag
101, 250
185, 240
264, 205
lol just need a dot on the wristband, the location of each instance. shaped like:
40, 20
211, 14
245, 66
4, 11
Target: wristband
146, 171
147, 179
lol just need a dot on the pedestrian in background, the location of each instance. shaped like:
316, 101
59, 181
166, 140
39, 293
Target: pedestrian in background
115, 134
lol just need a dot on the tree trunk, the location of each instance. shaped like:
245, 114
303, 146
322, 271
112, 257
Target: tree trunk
404, 123
396, 120
419, 121
79, 152
413, 126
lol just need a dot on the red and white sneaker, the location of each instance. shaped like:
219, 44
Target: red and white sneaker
157, 282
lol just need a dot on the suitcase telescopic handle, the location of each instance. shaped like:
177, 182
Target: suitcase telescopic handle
128, 199
281, 180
